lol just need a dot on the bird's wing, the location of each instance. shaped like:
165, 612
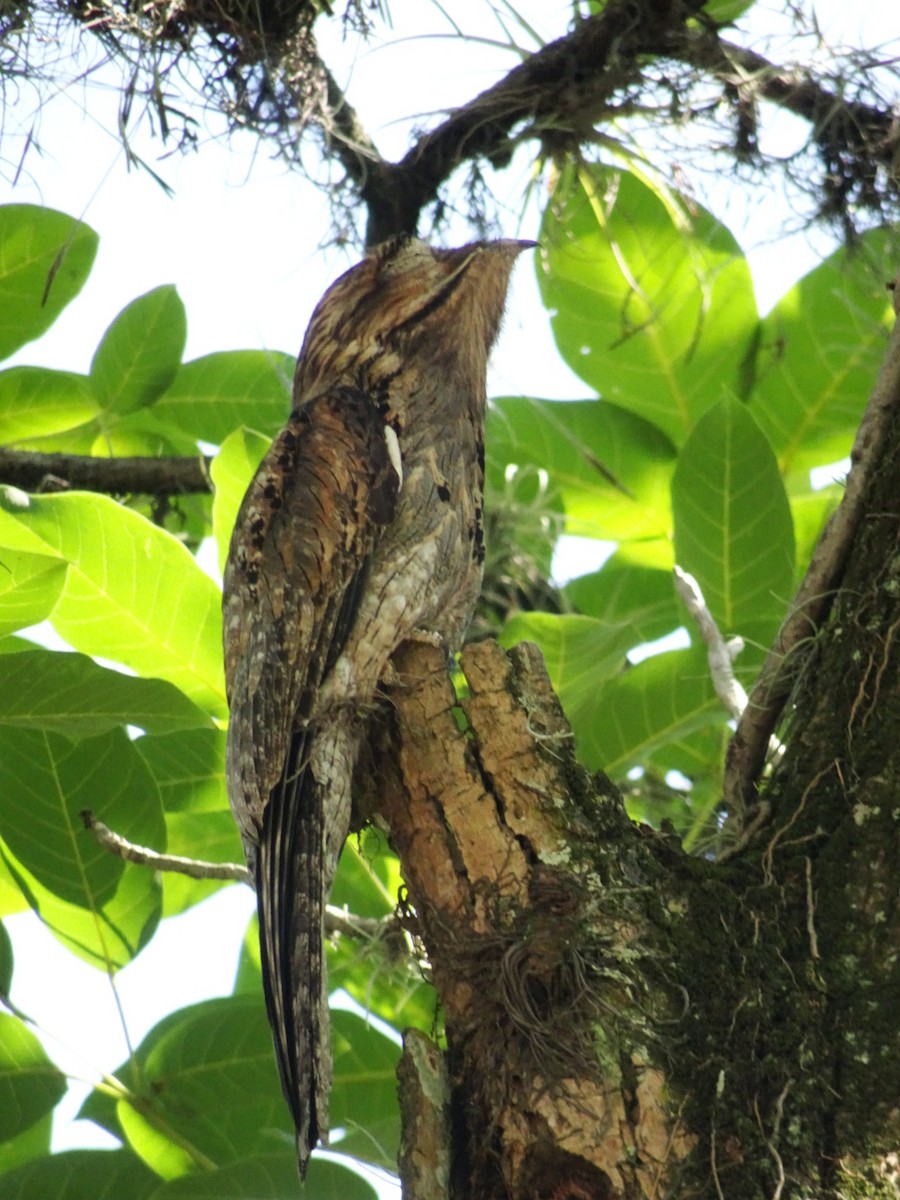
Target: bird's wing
296, 573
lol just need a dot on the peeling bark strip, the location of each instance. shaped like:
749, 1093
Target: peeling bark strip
529, 890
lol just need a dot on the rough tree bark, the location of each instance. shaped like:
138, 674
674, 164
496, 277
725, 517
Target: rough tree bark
623, 1020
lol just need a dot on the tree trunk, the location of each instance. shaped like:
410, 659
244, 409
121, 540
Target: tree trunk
621, 1019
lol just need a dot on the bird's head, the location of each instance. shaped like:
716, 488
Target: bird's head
406, 299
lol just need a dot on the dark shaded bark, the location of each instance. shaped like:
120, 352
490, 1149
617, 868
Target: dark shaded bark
34, 471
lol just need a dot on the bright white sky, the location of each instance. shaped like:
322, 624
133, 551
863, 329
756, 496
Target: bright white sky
241, 240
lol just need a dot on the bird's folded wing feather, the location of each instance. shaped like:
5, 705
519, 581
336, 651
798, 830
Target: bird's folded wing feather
297, 570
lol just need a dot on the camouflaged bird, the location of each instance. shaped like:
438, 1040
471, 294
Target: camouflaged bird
362, 528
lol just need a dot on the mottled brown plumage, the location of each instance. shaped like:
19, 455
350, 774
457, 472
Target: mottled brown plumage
362, 528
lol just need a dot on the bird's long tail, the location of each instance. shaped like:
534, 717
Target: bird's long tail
304, 828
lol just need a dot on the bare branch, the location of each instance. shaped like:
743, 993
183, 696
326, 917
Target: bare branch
34, 472
747, 752
143, 856
337, 920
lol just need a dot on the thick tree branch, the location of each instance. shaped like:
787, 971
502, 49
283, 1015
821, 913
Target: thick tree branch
563, 90
35, 472
556, 95
528, 884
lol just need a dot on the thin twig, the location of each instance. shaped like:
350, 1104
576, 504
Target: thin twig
337, 920
747, 752
194, 868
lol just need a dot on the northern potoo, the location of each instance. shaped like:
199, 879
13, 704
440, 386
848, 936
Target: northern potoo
362, 528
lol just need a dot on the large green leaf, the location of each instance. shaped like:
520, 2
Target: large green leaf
622, 590
383, 982
268, 1177
30, 585
212, 396
106, 938
133, 593
45, 257
652, 301
822, 347
364, 1096
140, 352
35, 401
726, 12
611, 469
661, 699
189, 769
232, 469
46, 781
31, 1143
580, 652
71, 694
206, 1088
81, 1175
30, 1085
733, 527
210, 836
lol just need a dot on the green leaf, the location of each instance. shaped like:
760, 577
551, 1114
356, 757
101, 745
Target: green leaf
622, 590
71, 694
364, 1096
213, 396
248, 977
726, 12
269, 1177
81, 1175
11, 898
189, 769
46, 781
133, 593
611, 469
661, 699
822, 348
46, 257
210, 836
733, 527
231, 471
30, 1085
652, 301
140, 353
35, 401
206, 1084
368, 883
580, 652
30, 585
108, 938
31, 1143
